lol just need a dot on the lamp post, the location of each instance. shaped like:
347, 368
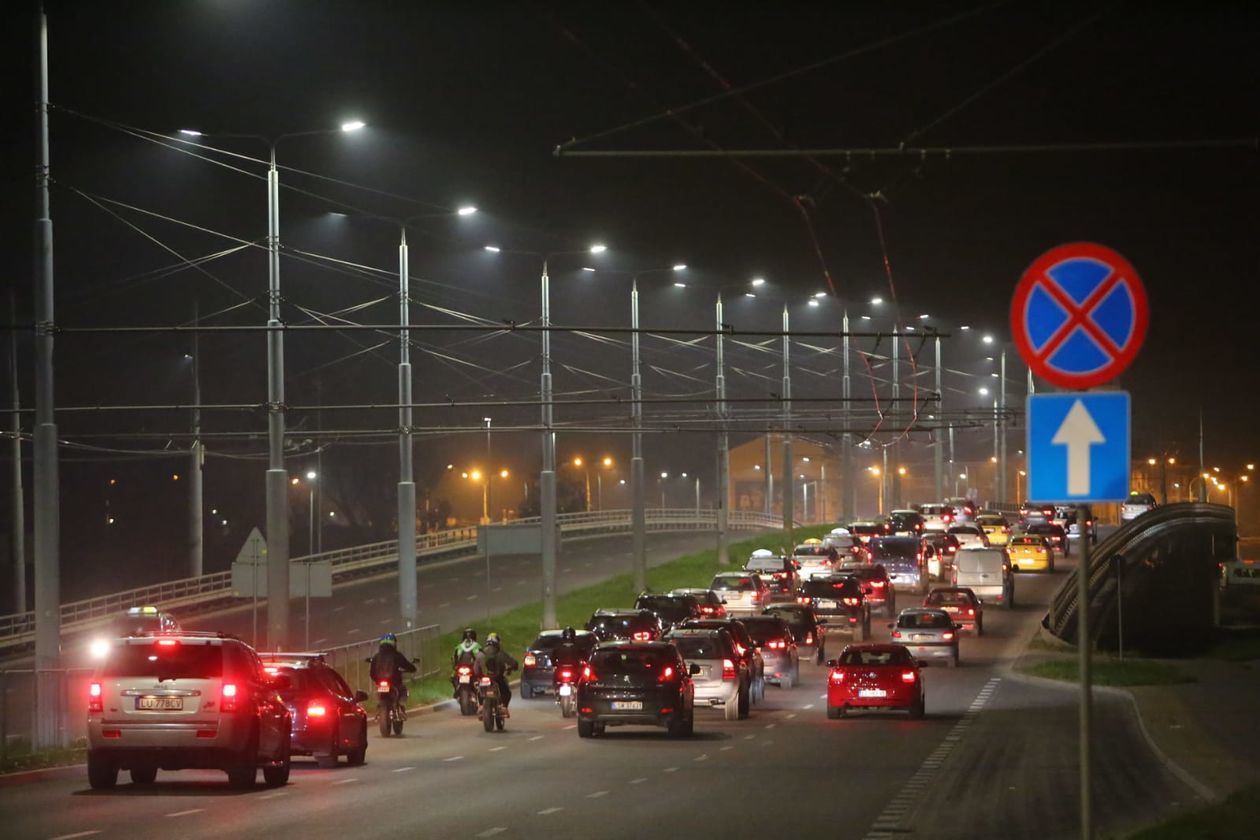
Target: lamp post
196, 462
661, 484
311, 475
722, 491
586, 475
789, 485
605, 464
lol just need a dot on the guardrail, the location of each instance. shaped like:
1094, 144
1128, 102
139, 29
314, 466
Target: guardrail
19, 629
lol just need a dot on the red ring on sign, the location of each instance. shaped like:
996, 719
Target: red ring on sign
1121, 357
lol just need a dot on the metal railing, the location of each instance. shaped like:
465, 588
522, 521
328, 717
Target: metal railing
77, 616
17, 707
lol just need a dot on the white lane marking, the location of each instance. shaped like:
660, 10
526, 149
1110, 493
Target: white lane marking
789, 715
749, 737
369, 600
401, 769
639, 780
454, 758
345, 781
670, 770
724, 749
442, 607
385, 621
497, 749
471, 598
822, 696
490, 832
808, 706
275, 795
569, 569
77, 834
186, 813
497, 589
317, 641
587, 564
338, 609
536, 738
771, 725
701, 757
571, 726
545, 811
352, 631
521, 582
597, 794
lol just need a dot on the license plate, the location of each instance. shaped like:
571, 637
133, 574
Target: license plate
627, 705
566, 690
826, 604
917, 636
465, 679
872, 692
165, 704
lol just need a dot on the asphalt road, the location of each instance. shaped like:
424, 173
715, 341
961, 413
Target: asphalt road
995, 757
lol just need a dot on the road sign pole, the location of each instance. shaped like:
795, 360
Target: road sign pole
1083, 646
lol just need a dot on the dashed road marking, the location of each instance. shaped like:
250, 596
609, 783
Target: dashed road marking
701, 757
670, 770
536, 738
767, 743
317, 641
808, 706
789, 715
345, 781
275, 795
749, 737
77, 834
497, 749
401, 769
338, 609
490, 832
471, 598
385, 621
497, 589
454, 758
571, 726
442, 607
545, 811
186, 813
639, 780
771, 725
352, 631
597, 794
724, 749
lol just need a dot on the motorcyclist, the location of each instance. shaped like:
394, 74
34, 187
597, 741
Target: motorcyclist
496, 663
389, 664
467, 649
567, 652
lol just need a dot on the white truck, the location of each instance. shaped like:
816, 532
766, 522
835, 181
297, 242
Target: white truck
986, 572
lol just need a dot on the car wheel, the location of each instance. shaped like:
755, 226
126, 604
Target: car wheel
835, 712
980, 627
1050, 566
586, 728
953, 660
679, 728
358, 755
917, 710
890, 608
143, 775
822, 656
744, 706
277, 774
102, 774
1010, 600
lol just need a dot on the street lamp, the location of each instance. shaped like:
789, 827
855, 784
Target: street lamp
878, 474
311, 475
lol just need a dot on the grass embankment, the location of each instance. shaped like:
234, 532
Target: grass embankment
1109, 671
1236, 817
518, 627
19, 756
1236, 646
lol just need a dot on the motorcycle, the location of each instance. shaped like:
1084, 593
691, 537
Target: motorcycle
565, 684
391, 711
491, 706
464, 691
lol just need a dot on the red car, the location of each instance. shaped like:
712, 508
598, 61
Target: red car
875, 676
962, 605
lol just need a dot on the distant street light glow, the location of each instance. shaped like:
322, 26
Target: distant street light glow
310, 475
680, 285
190, 132
988, 339
680, 266
494, 249
984, 392
820, 295
749, 294
588, 268
758, 281
466, 210
598, 248
813, 302
923, 317
876, 301
965, 327
353, 125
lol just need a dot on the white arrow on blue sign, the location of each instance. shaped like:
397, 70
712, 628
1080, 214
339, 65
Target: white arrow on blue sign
1078, 447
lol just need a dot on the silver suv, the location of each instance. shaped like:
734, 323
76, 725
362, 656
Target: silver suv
185, 701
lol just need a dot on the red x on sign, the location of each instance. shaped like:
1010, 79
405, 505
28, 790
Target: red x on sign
1079, 315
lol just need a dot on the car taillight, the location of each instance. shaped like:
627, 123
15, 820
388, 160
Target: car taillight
803, 599
565, 675
947, 636
728, 669
707, 610
947, 518
1006, 529
971, 611
382, 685
809, 638
837, 677
850, 602
642, 636
227, 703
96, 703
588, 673
167, 643
777, 644
530, 660
484, 681
739, 649
316, 710
907, 676
877, 584
667, 674
896, 634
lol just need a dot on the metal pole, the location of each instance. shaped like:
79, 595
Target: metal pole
938, 451
1083, 646
697, 497
277, 483
319, 469
1002, 489
1120, 603
47, 485
768, 479
599, 491
953, 467
18, 543
197, 460
408, 597
547, 480
789, 481
638, 489
882, 485
1203, 488
849, 505
485, 509
310, 535
996, 460
722, 490
893, 480
1163, 478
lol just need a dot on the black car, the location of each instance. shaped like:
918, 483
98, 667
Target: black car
748, 652
538, 665
1054, 534
903, 558
711, 603
801, 619
838, 600
906, 522
638, 683
327, 720
671, 609
877, 587
632, 625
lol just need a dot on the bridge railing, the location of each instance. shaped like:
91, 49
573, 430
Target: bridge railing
205, 590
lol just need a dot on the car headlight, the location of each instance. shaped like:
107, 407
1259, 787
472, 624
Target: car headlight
98, 648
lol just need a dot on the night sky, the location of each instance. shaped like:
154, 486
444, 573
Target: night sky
465, 104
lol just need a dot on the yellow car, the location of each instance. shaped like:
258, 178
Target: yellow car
995, 528
1031, 554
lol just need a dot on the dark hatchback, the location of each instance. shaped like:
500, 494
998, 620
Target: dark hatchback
671, 609
810, 635
838, 600
636, 683
625, 625
538, 667
877, 587
327, 718
1054, 534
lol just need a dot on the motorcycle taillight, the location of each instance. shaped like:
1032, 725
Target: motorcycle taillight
382, 685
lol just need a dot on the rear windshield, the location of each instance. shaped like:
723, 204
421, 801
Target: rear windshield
1140, 499
894, 550
857, 528
671, 608
701, 647
141, 625
1026, 541
737, 584
554, 641
796, 617
869, 573
827, 588
632, 662
176, 662
811, 551
937, 598
763, 630
762, 563
965, 529
990, 520
896, 656
301, 680
616, 623
926, 620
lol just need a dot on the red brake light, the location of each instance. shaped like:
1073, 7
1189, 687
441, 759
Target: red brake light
803, 599
728, 669
907, 676
566, 675
382, 685
947, 636
851, 601
530, 660
642, 636
877, 584
777, 644
809, 638
316, 710
167, 642
971, 611
896, 634
95, 702
464, 669
837, 677
227, 702
588, 673
667, 674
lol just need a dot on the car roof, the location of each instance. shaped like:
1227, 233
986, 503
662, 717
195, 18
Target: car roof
743, 574
550, 633
897, 540
903, 511
877, 647
762, 552
292, 660
183, 636
694, 631
966, 590
617, 612
921, 610
626, 644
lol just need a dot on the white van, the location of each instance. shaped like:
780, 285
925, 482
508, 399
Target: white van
986, 572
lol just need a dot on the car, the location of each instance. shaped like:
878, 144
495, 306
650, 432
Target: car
877, 587
778, 572
945, 546
845, 544
969, 535
326, 718
815, 558
962, 605
635, 683
1136, 505
995, 527
745, 593
778, 648
185, 701
711, 603
1073, 526
902, 557
538, 669
987, 573
136, 621
964, 508
1054, 535
810, 634
670, 609
720, 678
747, 651
936, 517
1030, 552
838, 600
869, 528
875, 676
1030, 512
909, 522
637, 625
928, 634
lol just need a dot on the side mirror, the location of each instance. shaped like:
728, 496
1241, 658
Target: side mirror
694, 669
723, 600
360, 696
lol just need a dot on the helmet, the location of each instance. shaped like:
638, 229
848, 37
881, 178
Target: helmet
568, 634
492, 639
389, 639
470, 635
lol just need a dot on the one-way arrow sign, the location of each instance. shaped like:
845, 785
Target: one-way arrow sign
1078, 447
